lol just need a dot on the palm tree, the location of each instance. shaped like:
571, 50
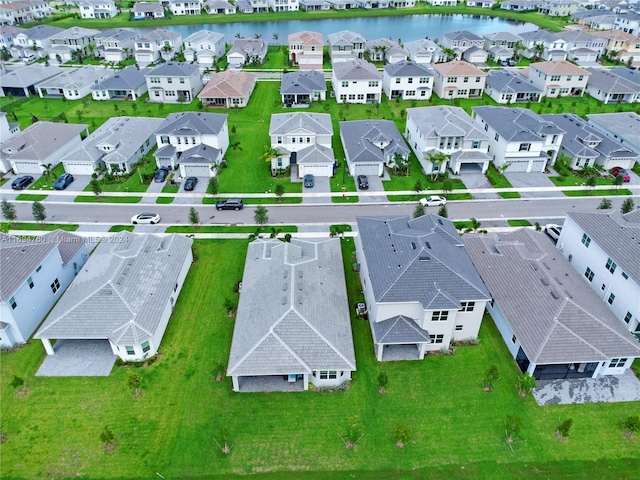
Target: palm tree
449, 52
138, 166
238, 35
437, 158
518, 47
257, 35
47, 171
77, 55
101, 170
125, 52
275, 36
270, 153
91, 47
539, 49
236, 146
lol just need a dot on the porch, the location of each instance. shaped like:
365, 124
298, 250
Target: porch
270, 383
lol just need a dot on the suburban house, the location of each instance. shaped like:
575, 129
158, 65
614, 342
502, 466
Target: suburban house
481, 3
628, 22
371, 145
246, 51
252, 6
558, 78
219, 7
22, 82
425, 52
7, 130
447, 130
627, 74
344, 4
519, 139
507, 87
314, 5
228, 89
182, 139
458, 79
117, 144
73, 83
475, 55
407, 80
284, 5
306, 50
608, 87
542, 44
605, 21
553, 324
385, 50
173, 82
25, 11
623, 126
97, 9
40, 145
116, 44
185, 7
356, 81
129, 83
587, 146
626, 45
461, 40
205, 47
558, 8
582, 46
64, 43
155, 45
303, 139
602, 247
33, 41
35, 274
293, 325
124, 294
500, 44
421, 289
345, 45
303, 87
147, 10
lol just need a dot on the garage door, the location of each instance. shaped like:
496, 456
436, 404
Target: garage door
518, 166
79, 168
26, 167
195, 170
366, 169
317, 170
538, 166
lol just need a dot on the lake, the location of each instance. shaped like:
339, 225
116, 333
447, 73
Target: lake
407, 28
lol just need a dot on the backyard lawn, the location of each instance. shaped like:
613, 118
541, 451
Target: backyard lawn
456, 428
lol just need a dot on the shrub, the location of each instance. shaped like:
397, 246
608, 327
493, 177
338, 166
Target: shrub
564, 428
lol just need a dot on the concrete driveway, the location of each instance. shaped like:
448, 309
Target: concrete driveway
79, 183
474, 178
154, 187
78, 358
186, 198
314, 194
529, 180
375, 193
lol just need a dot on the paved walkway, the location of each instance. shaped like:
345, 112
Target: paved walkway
607, 388
78, 358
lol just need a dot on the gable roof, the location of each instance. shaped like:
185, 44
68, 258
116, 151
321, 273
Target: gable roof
129, 78
505, 81
41, 139
284, 123
461, 35
558, 67
74, 33
622, 125
445, 121
40, 32
552, 311
204, 36
406, 68
315, 154
122, 291
627, 74
76, 77
192, 123
293, 314
229, 84
420, 260
305, 38
610, 82
517, 124
345, 37
371, 140
458, 67
173, 69
303, 82
356, 69
248, 47
29, 75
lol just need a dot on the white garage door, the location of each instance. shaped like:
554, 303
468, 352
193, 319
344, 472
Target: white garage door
321, 170
78, 168
366, 169
538, 166
26, 167
195, 170
518, 166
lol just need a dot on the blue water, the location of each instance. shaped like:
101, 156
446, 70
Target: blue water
406, 28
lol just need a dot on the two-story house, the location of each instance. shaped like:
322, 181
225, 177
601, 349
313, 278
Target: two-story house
407, 80
421, 290
305, 50
385, 50
582, 46
461, 40
558, 8
219, 7
185, 7
628, 22
33, 41
346, 45
155, 45
519, 139
608, 87
500, 44
116, 44
625, 45
284, 5
458, 79
544, 45
558, 78
356, 81
35, 275
64, 43
205, 47
97, 9
174, 82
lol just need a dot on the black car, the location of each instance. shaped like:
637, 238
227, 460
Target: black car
21, 183
308, 181
161, 175
363, 182
230, 204
63, 181
190, 183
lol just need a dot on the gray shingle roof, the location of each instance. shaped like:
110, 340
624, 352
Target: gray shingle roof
505, 81
406, 68
29, 75
357, 69
122, 290
420, 260
173, 69
293, 315
553, 312
40, 32
40, 140
371, 140
517, 124
76, 77
285, 123
303, 82
610, 82
627, 74
444, 121
461, 35
399, 330
199, 155
316, 154
624, 124
129, 78
117, 34
192, 123
345, 37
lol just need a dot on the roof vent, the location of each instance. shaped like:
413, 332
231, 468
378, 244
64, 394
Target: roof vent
533, 266
544, 281
424, 258
555, 294
568, 293
413, 246
428, 245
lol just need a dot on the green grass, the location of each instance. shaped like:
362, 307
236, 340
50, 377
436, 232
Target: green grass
3, 180
43, 183
171, 189
170, 428
164, 200
509, 194
31, 197
588, 193
229, 229
497, 178
69, 227
121, 228
636, 168
577, 181
130, 183
519, 223
346, 199
106, 199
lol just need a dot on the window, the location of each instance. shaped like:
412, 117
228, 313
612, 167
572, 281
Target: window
611, 265
588, 273
458, 328
568, 78
328, 374
169, 80
12, 302
580, 78
39, 268
451, 79
617, 362
477, 79
374, 83
30, 282
524, 147
513, 339
55, 286
361, 96
611, 298
555, 78
586, 240
437, 338
145, 347
467, 306
497, 137
465, 80
154, 79
397, 79
625, 276
410, 80
475, 145
627, 317
130, 350
440, 316
424, 80
410, 93
345, 84
181, 80
279, 162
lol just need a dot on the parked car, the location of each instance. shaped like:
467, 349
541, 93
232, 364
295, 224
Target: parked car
363, 182
21, 183
504, 63
161, 175
63, 181
511, 62
619, 171
553, 231
151, 218
433, 200
190, 183
230, 204
308, 181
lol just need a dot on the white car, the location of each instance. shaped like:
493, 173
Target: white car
553, 231
151, 218
433, 200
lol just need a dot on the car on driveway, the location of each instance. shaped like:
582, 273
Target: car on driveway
63, 181
308, 181
553, 231
161, 175
230, 204
21, 183
363, 182
619, 171
190, 183
151, 218
433, 201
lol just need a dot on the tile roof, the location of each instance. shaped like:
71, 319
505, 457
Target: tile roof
406, 68
285, 123
505, 81
619, 35
558, 67
192, 123
552, 311
293, 314
371, 140
458, 67
129, 78
229, 84
122, 291
306, 38
303, 82
40, 140
445, 121
517, 124
356, 69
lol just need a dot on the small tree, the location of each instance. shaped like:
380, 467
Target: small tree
401, 434
512, 427
96, 188
418, 187
213, 188
47, 172
261, 216
108, 438
39, 212
628, 205
475, 226
591, 183
447, 185
134, 379
279, 191
605, 204
229, 307
353, 435
617, 181
8, 211
443, 212
564, 427
526, 383
383, 380
491, 377
194, 218
17, 382
223, 444
235, 145
631, 425
419, 211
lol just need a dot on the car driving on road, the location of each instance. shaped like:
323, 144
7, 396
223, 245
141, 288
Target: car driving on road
433, 200
230, 204
150, 218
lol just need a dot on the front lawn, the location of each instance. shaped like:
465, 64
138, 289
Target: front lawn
28, 197
106, 199
164, 200
229, 229
587, 193
69, 227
